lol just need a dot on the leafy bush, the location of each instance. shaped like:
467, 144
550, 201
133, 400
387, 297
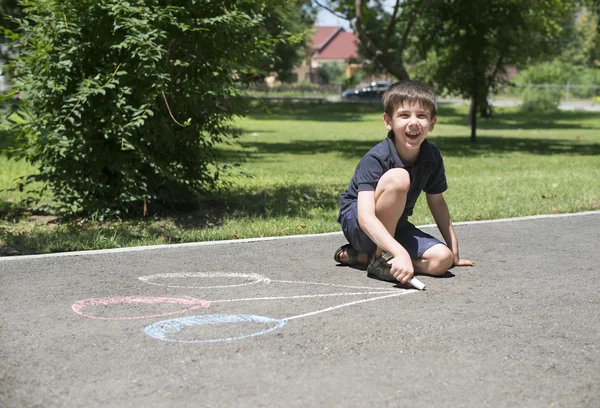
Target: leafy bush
544, 99
123, 102
544, 85
331, 72
352, 81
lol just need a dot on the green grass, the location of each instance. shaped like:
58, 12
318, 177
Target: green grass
302, 156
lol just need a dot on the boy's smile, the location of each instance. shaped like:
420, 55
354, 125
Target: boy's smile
411, 123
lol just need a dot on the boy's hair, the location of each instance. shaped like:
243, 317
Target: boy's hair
410, 91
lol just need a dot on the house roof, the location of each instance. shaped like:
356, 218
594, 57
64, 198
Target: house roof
323, 34
334, 43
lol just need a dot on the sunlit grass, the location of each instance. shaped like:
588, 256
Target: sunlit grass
301, 157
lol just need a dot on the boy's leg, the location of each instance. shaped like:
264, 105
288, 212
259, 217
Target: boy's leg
435, 261
430, 256
390, 199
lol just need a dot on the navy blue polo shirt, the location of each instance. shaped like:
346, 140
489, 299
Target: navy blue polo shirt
427, 174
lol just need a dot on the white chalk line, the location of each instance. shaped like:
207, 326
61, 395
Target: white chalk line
255, 278
378, 292
329, 309
249, 240
252, 277
261, 278
330, 284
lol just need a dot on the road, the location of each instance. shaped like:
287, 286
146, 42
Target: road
275, 322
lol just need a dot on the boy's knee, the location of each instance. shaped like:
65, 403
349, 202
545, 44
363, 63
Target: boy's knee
440, 259
395, 179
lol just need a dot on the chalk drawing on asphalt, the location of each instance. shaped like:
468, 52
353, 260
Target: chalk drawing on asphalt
162, 330
184, 329
193, 304
249, 279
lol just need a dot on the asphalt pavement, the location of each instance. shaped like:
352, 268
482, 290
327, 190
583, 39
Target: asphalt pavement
275, 322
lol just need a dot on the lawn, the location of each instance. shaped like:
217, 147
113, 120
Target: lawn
300, 157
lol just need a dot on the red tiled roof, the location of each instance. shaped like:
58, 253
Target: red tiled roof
322, 34
343, 46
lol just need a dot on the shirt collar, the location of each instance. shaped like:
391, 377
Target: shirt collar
425, 152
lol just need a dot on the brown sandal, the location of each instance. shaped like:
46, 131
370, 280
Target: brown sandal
351, 253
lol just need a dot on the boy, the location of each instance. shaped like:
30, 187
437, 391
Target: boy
381, 196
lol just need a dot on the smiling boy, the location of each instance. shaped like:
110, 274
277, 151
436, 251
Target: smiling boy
383, 191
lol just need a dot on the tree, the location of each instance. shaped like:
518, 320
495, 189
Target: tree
473, 40
123, 103
9, 9
460, 45
292, 21
588, 29
384, 33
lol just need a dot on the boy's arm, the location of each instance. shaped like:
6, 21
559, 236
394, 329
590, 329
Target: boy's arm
441, 215
401, 266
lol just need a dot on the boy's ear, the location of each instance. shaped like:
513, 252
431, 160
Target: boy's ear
387, 121
433, 120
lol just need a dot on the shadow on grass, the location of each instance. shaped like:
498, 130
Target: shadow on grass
282, 201
448, 114
460, 146
514, 119
11, 211
271, 202
7, 139
315, 112
56, 237
451, 146
347, 148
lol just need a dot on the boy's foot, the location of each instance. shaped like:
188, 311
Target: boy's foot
348, 256
379, 268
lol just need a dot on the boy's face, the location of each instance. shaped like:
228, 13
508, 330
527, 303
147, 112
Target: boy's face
411, 123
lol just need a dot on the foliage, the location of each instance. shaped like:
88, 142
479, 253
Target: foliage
9, 9
556, 72
385, 33
462, 46
331, 72
353, 80
475, 40
291, 21
543, 84
123, 102
583, 47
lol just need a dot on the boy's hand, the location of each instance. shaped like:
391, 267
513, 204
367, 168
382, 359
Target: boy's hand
402, 268
463, 262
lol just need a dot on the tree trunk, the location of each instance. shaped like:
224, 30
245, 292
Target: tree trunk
398, 71
473, 116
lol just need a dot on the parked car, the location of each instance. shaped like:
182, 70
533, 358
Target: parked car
372, 91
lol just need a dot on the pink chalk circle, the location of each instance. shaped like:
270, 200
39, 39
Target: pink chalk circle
193, 303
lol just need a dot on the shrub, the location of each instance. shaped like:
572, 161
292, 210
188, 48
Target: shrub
544, 85
331, 72
123, 102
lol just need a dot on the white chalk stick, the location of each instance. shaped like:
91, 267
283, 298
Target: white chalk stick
417, 284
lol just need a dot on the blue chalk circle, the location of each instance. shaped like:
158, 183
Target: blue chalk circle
163, 329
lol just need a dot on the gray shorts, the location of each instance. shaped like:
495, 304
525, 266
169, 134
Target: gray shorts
415, 241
